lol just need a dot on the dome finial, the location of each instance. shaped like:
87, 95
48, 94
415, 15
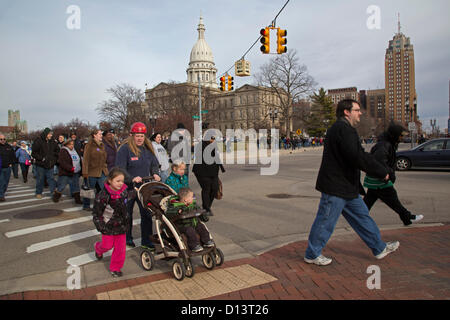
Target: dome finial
201, 28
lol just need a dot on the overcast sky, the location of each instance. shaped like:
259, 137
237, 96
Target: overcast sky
53, 74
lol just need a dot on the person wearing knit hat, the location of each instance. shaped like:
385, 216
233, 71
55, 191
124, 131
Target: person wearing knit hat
45, 152
384, 151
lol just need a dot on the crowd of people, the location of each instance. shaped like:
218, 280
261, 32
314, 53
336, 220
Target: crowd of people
111, 170
114, 171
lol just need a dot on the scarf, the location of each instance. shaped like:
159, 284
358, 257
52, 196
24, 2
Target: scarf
115, 194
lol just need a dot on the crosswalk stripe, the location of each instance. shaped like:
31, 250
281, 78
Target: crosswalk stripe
73, 209
32, 206
67, 239
25, 231
7, 203
90, 257
18, 191
20, 195
18, 188
4, 220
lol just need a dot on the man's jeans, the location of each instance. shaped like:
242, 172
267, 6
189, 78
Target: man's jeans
5, 174
357, 215
41, 174
92, 181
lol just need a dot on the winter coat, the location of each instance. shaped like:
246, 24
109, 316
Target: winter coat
94, 160
111, 152
208, 170
22, 155
44, 151
117, 200
175, 207
176, 182
66, 163
343, 158
385, 153
7, 155
143, 166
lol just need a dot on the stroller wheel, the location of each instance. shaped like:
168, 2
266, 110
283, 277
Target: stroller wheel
178, 269
189, 268
147, 260
209, 260
218, 255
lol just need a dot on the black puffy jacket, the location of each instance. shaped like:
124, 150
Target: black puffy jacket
44, 151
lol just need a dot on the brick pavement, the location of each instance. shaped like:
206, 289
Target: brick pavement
419, 269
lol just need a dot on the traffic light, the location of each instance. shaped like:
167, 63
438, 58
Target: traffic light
222, 83
265, 40
230, 83
281, 41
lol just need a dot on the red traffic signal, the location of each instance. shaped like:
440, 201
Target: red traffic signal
265, 40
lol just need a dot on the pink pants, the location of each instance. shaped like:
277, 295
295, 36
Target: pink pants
118, 255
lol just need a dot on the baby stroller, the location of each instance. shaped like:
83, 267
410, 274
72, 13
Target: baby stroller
169, 242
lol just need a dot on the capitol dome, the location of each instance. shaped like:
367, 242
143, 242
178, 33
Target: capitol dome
201, 62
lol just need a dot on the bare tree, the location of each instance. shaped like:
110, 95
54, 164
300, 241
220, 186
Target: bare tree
115, 110
289, 81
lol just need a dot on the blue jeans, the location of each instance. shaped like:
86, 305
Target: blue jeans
357, 215
146, 223
5, 174
92, 181
164, 175
73, 181
41, 174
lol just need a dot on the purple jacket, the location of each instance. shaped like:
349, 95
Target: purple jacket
111, 152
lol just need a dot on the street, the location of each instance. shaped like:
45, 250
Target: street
41, 239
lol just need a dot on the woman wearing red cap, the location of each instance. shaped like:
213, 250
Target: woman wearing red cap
137, 157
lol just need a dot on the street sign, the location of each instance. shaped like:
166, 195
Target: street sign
299, 132
196, 117
411, 126
204, 111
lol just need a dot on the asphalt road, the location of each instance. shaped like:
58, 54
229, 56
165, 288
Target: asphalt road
257, 213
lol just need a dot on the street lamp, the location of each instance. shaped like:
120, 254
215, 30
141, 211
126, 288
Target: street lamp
273, 113
153, 118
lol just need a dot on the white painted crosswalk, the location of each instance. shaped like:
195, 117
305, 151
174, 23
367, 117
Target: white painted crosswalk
22, 198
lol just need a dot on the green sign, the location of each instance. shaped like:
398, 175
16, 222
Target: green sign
196, 117
204, 111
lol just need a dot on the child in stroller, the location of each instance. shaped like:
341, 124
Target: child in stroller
192, 227
170, 242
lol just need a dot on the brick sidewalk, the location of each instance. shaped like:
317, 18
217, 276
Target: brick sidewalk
419, 269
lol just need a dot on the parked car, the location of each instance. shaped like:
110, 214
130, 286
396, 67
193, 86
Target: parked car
434, 153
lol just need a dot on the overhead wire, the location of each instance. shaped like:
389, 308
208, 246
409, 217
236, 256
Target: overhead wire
251, 47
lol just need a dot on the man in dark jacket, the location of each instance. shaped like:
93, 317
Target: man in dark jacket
7, 159
384, 151
339, 183
45, 152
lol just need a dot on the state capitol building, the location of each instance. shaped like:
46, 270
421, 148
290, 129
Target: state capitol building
243, 108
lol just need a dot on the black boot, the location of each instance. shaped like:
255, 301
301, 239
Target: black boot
76, 196
56, 196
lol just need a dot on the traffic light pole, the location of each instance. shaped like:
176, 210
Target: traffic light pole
200, 107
